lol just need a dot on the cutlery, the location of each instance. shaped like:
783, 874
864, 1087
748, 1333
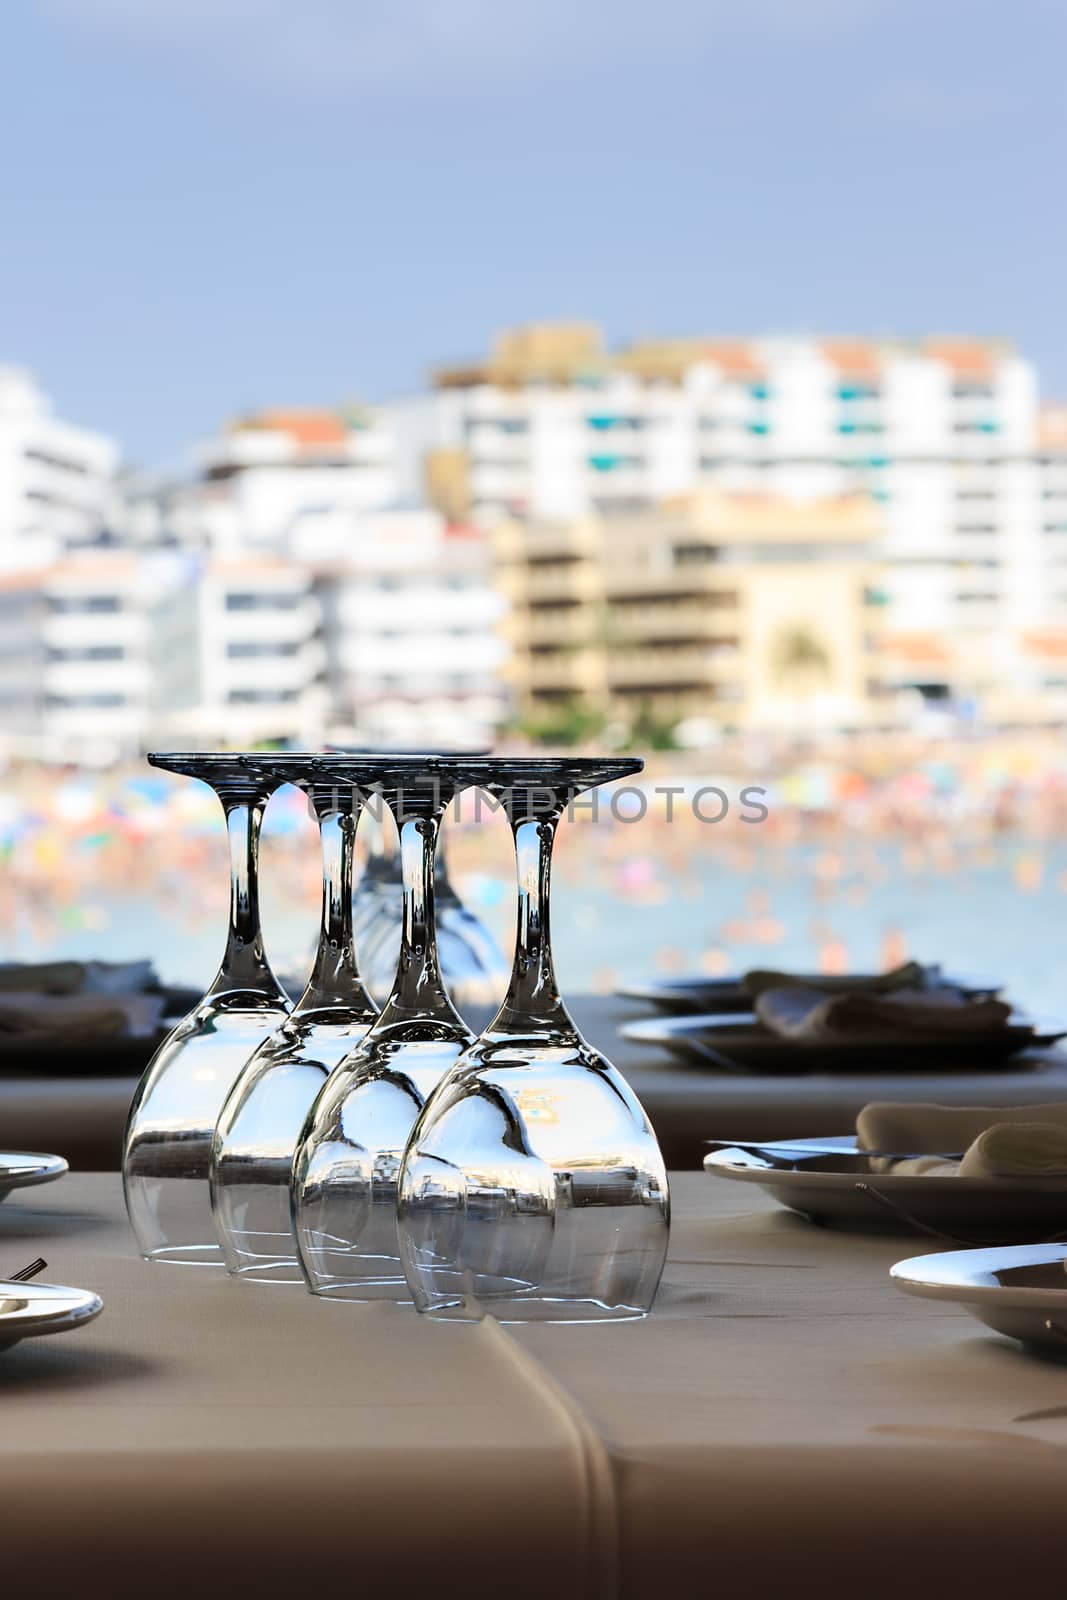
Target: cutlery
797, 1147
24, 1274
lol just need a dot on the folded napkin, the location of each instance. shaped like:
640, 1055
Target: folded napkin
78, 1017
810, 1017
997, 1141
912, 975
77, 977
1017, 1150
42, 977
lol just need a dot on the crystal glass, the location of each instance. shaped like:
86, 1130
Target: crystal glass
259, 1126
533, 1186
344, 1174
472, 963
177, 1103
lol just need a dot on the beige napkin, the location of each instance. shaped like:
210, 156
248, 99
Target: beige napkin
42, 977
77, 977
813, 1018
998, 1141
1017, 1150
78, 1017
909, 976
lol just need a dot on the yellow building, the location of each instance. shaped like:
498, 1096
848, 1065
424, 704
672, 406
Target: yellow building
746, 610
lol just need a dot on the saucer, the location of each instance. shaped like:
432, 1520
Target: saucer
28, 1310
1020, 1291
826, 1189
18, 1170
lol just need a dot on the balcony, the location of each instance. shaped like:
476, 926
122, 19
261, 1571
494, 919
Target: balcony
572, 580
687, 667
564, 673
570, 625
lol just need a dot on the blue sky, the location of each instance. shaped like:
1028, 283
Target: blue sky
207, 205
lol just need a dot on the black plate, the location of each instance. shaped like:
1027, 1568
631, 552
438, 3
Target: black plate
737, 1044
713, 996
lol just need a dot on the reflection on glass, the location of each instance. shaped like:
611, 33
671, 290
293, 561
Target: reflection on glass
471, 961
172, 1118
533, 1186
259, 1127
344, 1175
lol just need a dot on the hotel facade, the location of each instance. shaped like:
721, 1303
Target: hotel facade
943, 439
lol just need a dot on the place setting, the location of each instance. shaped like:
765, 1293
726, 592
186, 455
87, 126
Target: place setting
911, 1019
29, 1309
993, 1179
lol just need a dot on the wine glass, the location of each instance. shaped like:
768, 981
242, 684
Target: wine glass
178, 1100
533, 1186
344, 1174
472, 963
260, 1123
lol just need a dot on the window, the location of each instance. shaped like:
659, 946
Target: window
243, 649
262, 600
79, 604
694, 555
614, 463
607, 424
85, 702
261, 697
44, 458
89, 652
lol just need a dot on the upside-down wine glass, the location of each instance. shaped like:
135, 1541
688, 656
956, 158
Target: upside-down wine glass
533, 1186
259, 1126
344, 1174
178, 1100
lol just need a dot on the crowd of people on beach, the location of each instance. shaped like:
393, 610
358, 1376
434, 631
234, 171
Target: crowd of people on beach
87, 855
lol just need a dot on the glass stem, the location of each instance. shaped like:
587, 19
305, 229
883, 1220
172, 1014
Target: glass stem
244, 964
335, 979
532, 1002
418, 989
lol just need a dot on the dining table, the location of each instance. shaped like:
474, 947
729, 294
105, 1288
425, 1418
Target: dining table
82, 1116
784, 1422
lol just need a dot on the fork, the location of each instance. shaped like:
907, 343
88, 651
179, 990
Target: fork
24, 1274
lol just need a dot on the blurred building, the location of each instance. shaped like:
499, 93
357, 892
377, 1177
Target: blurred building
944, 436
748, 610
410, 617
56, 481
236, 654
75, 664
260, 476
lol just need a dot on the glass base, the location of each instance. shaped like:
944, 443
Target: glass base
270, 1272
572, 1313
186, 1255
335, 1274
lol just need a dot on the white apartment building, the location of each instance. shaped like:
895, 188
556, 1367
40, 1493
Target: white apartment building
945, 435
266, 471
56, 480
75, 672
236, 653
409, 617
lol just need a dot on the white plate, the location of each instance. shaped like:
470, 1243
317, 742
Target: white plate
826, 1189
1017, 1291
21, 1169
28, 1310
